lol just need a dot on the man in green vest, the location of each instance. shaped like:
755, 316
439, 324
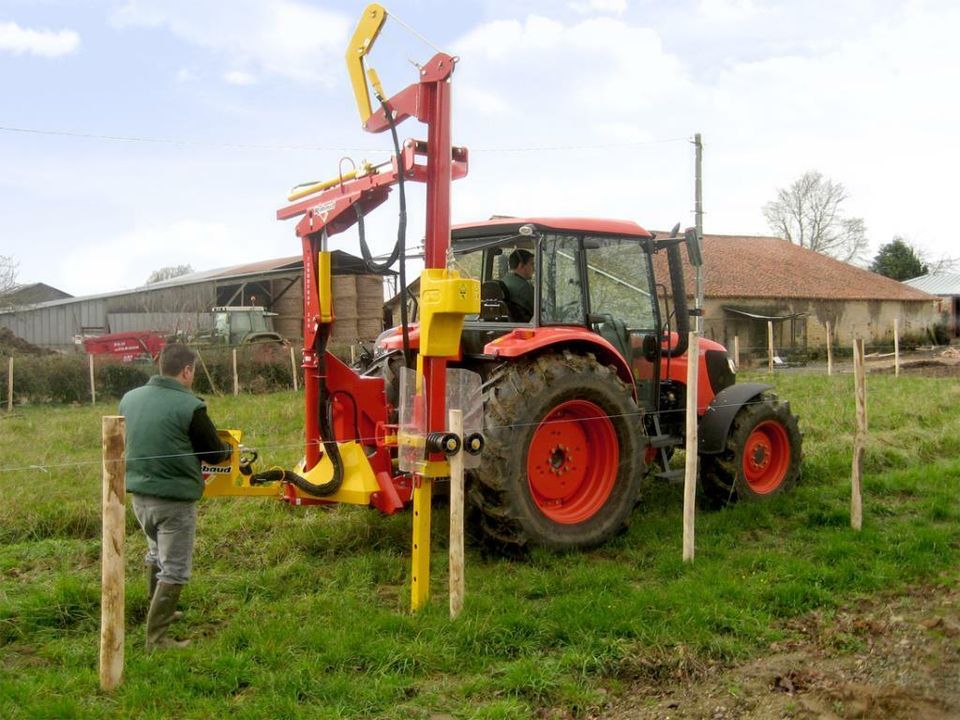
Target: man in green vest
167, 434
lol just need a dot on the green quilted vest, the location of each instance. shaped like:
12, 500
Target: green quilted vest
160, 459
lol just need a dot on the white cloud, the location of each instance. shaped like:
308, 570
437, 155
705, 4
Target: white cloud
616, 7
45, 43
590, 72
238, 77
282, 37
869, 108
727, 11
130, 257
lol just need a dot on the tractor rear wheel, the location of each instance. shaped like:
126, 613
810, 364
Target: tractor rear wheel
562, 462
762, 455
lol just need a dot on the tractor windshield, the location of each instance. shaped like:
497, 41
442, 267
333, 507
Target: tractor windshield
617, 282
618, 272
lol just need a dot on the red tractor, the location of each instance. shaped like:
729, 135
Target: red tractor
584, 396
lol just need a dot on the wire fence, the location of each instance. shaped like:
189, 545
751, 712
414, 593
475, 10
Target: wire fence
270, 373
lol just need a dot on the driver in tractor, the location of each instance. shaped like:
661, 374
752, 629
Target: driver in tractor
519, 286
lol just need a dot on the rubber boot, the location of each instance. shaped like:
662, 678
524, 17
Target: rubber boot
152, 572
162, 609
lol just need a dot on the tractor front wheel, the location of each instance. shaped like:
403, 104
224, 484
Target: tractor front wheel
762, 455
563, 455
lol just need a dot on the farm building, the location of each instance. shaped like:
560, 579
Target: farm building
946, 286
749, 281
183, 304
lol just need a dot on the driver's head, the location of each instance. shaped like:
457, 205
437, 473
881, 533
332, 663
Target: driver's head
521, 262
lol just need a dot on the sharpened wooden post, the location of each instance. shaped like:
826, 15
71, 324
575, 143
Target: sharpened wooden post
770, 345
293, 368
112, 562
690, 474
860, 437
456, 518
736, 351
896, 347
829, 350
10, 385
236, 377
93, 384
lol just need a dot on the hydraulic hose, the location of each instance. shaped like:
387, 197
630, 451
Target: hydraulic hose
400, 250
330, 447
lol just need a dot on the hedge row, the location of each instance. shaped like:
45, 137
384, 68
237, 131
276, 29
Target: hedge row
66, 378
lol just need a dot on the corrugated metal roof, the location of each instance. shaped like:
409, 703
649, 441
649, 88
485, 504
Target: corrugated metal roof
294, 262
343, 262
936, 283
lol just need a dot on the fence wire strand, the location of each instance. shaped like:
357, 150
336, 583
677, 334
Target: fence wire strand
46, 467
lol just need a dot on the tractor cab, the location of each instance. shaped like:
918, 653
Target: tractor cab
591, 283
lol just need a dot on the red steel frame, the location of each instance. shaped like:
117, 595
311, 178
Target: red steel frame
335, 210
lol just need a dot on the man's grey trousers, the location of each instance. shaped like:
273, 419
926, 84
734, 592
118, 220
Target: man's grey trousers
170, 527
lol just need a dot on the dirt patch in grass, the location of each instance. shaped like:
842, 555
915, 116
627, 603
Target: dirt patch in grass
923, 368
894, 657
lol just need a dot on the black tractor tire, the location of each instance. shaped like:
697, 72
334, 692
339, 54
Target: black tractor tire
761, 459
572, 481
388, 367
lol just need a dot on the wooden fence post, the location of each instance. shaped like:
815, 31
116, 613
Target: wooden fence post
236, 377
112, 563
896, 347
736, 351
93, 383
770, 345
293, 368
456, 518
10, 385
829, 350
860, 437
690, 474
207, 373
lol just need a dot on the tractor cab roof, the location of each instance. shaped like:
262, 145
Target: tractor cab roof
511, 226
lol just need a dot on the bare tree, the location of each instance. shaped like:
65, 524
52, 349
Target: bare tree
168, 273
808, 213
8, 278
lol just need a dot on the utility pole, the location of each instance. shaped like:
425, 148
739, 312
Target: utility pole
698, 215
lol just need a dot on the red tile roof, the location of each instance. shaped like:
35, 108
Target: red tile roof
770, 267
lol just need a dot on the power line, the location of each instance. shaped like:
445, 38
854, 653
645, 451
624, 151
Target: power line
179, 141
320, 148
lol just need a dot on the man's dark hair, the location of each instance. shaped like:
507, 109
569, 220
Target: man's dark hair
174, 358
519, 257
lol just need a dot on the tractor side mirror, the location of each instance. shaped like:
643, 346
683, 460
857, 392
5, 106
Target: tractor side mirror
650, 348
693, 247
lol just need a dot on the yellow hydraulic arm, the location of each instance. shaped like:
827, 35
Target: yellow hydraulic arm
368, 28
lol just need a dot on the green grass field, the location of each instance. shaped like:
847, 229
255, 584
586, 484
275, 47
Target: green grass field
305, 612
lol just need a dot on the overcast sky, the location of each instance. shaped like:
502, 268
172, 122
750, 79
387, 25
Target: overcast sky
569, 107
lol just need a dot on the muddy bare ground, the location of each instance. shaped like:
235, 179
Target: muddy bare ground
929, 362
894, 656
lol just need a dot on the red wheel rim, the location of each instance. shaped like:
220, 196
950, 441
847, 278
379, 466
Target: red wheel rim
572, 462
766, 457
